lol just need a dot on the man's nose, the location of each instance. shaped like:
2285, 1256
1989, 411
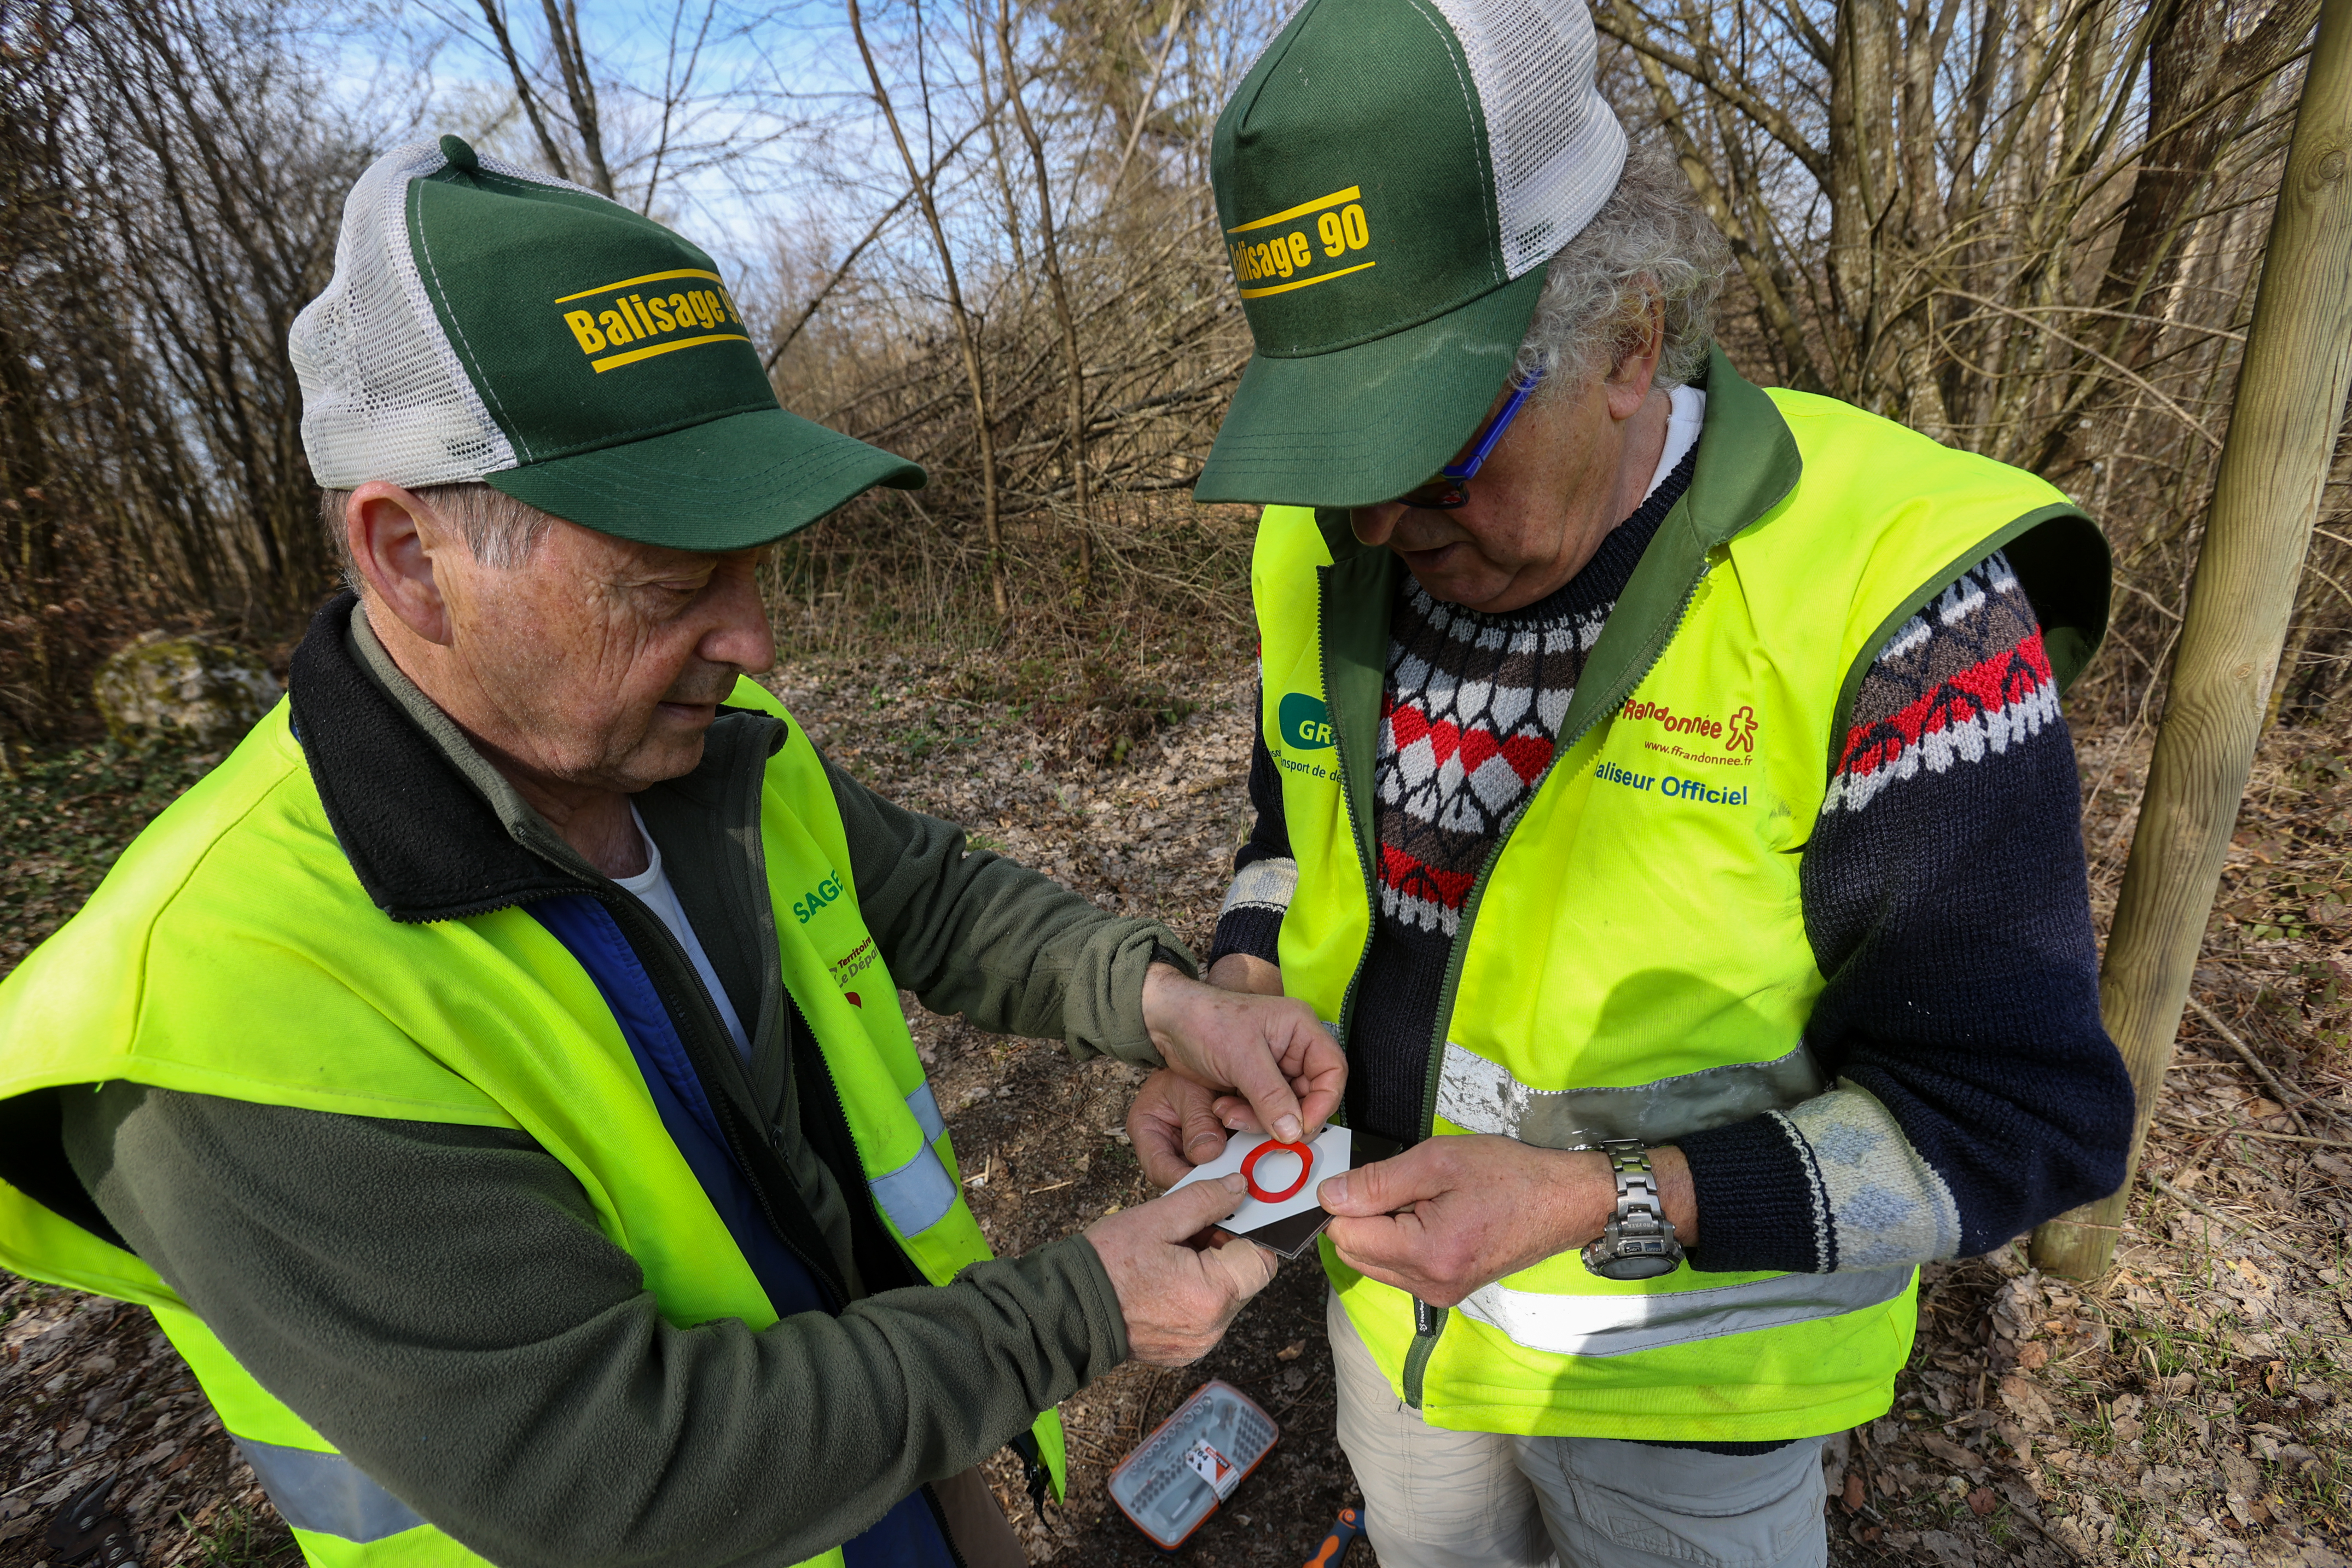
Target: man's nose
743, 636
1374, 525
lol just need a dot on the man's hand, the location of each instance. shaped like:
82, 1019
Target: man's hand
1271, 1050
1451, 1214
1177, 1298
1245, 972
1176, 1124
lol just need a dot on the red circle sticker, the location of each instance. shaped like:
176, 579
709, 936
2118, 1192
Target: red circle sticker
1249, 1170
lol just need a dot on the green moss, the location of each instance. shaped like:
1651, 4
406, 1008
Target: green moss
181, 685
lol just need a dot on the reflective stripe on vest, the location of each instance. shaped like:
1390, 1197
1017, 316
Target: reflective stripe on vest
1481, 1096
919, 1194
326, 1492
926, 1107
1616, 1325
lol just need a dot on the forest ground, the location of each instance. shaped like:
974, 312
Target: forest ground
2190, 1407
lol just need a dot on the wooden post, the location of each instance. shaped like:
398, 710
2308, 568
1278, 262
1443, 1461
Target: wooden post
2291, 390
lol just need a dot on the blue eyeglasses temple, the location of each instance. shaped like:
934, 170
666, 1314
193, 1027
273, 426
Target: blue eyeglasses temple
1493, 433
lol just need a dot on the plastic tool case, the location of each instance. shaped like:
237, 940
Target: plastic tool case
1193, 1462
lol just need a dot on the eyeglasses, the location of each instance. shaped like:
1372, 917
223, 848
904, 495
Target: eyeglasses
1451, 487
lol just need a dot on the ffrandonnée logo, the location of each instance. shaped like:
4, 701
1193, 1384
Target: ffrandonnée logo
661, 322
1738, 731
1305, 723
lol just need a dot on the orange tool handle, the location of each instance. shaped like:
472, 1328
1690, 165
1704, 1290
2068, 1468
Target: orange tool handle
1344, 1531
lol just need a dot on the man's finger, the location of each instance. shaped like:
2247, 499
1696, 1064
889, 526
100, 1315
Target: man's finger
1174, 1124
1164, 1163
1232, 1110
1382, 1187
1187, 1211
1204, 1135
1319, 1078
1379, 1245
1244, 1265
1259, 1077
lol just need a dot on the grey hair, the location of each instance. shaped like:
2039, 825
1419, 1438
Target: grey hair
500, 532
1649, 242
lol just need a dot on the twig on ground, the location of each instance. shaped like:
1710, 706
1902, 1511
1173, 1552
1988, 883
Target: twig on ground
2229, 1038
2294, 1255
85, 1467
2185, 1125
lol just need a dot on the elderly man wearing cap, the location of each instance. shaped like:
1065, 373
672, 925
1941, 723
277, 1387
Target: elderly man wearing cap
493, 1075
1660, 784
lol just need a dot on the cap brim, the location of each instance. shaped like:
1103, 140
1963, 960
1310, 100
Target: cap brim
1366, 424
727, 484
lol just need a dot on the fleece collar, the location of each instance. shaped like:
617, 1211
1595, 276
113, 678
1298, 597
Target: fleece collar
432, 830
423, 841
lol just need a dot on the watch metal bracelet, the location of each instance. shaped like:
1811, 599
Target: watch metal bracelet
1639, 1241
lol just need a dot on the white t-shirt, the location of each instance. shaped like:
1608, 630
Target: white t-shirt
651, 888
1683, 422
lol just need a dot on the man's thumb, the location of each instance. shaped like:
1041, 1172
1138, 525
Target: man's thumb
1367, 1190
1192, 1210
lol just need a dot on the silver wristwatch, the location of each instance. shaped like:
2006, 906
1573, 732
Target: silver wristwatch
1638, 1243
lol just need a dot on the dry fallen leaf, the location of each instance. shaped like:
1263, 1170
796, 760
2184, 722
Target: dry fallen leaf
1981, 1502
2021, 1396
1854, 1494
2033, 1356
1951, 1453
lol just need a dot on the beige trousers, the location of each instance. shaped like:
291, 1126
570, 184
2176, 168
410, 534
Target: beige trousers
1435, 1498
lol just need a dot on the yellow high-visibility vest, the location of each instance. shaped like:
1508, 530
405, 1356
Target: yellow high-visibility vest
233, 937
1633, 961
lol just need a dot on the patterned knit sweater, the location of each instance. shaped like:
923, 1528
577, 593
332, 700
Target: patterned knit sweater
1974, 1090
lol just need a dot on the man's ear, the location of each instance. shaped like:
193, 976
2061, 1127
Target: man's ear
395, 537
1638, 353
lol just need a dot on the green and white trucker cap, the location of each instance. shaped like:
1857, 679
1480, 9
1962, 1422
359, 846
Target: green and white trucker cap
1390, 178
487, 322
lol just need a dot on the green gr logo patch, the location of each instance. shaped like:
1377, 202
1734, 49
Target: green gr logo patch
805, 908
1305, 722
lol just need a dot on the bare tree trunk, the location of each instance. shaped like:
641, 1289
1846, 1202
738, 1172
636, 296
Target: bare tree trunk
572, 60
1862, 184
992, 520
1074, 366
524, 92
2289, 405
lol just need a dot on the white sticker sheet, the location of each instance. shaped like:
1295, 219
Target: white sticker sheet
1276, 1171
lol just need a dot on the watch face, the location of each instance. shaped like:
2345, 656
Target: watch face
1637, 1267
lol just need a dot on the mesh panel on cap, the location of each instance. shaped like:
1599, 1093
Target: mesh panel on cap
383, 396
1558, 147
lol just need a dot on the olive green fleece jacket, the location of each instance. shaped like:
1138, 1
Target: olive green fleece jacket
440, 1302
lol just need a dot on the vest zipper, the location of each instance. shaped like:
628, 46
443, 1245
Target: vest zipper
1356, 830
1429, 1323
939, 1518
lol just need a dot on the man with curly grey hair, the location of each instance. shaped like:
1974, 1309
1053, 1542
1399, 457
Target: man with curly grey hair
1660, 790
